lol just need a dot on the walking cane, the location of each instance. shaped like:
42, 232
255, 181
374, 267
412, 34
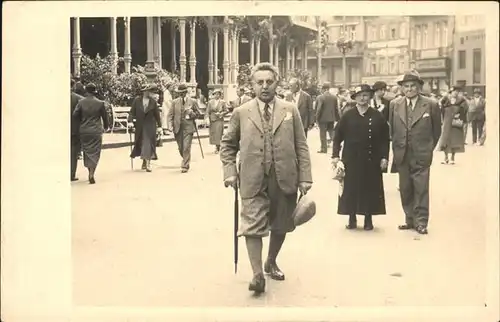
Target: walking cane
236, 217
198, 135
131, 159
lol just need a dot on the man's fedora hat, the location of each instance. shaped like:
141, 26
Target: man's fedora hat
360, 89
379, 85
91, 88
304, 211
182, 88
410, 76
150, 88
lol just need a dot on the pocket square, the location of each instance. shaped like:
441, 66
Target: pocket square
288, 116
426, 115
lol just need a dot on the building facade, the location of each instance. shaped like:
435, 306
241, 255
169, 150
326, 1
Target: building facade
386, 54
469, 68
332, 69
431, 50
205, 51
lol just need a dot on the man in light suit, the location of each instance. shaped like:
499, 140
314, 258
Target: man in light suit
415, 122
304, 104
327, 115
274, 163
181, 121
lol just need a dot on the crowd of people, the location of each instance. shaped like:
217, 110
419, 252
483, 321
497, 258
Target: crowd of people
265, 154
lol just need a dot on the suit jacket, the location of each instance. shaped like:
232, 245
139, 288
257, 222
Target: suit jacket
177, 114
75, 98
384, 109
245, 135
477, 111
90, 113
327, 109
421, 135
306, 111
214, 107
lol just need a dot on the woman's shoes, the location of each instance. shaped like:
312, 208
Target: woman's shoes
445, 161
91, 180
452, 162
144, 166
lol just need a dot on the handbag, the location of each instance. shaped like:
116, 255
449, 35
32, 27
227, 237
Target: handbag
458, 123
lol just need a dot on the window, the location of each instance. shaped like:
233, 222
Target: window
373, 68
392, 66
382, 32
476, 66
445, 35
383, 66
352, 32
402, 66
374, 33
424, 37
437, 35
461, 40
368, 64
418, 38
402, 30
393, 33
461, 59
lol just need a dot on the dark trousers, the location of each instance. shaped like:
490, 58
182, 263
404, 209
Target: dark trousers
75, 152
414, 191
184, 140
477, 129
325, 127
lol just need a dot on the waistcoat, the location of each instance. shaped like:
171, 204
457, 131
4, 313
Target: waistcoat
268, 142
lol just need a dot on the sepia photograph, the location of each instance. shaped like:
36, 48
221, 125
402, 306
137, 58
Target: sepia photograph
250, 161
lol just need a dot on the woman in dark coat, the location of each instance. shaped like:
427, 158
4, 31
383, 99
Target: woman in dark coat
454, 111
364, 133
145, 114
90, 114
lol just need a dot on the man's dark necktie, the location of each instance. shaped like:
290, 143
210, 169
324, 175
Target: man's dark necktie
408, 112
267, 113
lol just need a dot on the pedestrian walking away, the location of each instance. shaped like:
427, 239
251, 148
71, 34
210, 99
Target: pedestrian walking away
90, 114
145, 117
304, 104
216, 110
268, 177
182, 123
364, 133
415, 124
327, 115
454, 116
75, 137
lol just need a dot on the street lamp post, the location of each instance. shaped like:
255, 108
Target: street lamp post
344, 46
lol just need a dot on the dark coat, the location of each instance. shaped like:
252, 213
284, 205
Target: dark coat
384, 109
90, 114
306, 110
327, 108
75, 98
365, 143
146, 121
452, 138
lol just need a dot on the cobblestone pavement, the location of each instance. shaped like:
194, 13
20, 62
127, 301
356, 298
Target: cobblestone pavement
165, 239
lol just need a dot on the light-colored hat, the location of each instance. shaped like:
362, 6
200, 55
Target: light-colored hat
412, 75
182, 88
304, 211
217, 90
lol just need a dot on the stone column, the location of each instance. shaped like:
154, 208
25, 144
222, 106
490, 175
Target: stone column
182, 55
216, 56
235, 55
77, 50
271, 50
252, 50
157, 36
225, 63
231, 62
210, 56
113, 52
127, 56
192, 56
305, 55
149, 67
257, 58
173, 62
277, 53
288, 51
293, 57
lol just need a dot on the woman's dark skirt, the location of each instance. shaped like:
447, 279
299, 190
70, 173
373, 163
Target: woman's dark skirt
91, 148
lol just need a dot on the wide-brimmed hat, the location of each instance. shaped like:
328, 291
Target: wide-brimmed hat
412, 75
182, 88
217, 90
477, 90
379, 85
304, 211
360, 89
149, 88
91, 88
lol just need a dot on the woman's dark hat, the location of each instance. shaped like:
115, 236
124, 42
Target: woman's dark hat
379, 85
91, 88
360, 89
411, 76
150, 88
182, 88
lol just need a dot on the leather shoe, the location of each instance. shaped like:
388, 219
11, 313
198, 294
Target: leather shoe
274, 272
74, 179
422, 230
258, 284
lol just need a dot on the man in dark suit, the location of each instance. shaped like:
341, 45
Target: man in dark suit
75, 138
327, 115
477, 115
304, 104
415, 124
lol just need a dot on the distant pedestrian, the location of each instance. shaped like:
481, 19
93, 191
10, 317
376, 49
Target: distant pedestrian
216, 110
477, 115
415, 124
304, 104
90, 114
75, 138
364, 133
378, 101
327, 115
145, 117
182, 122
454, 115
